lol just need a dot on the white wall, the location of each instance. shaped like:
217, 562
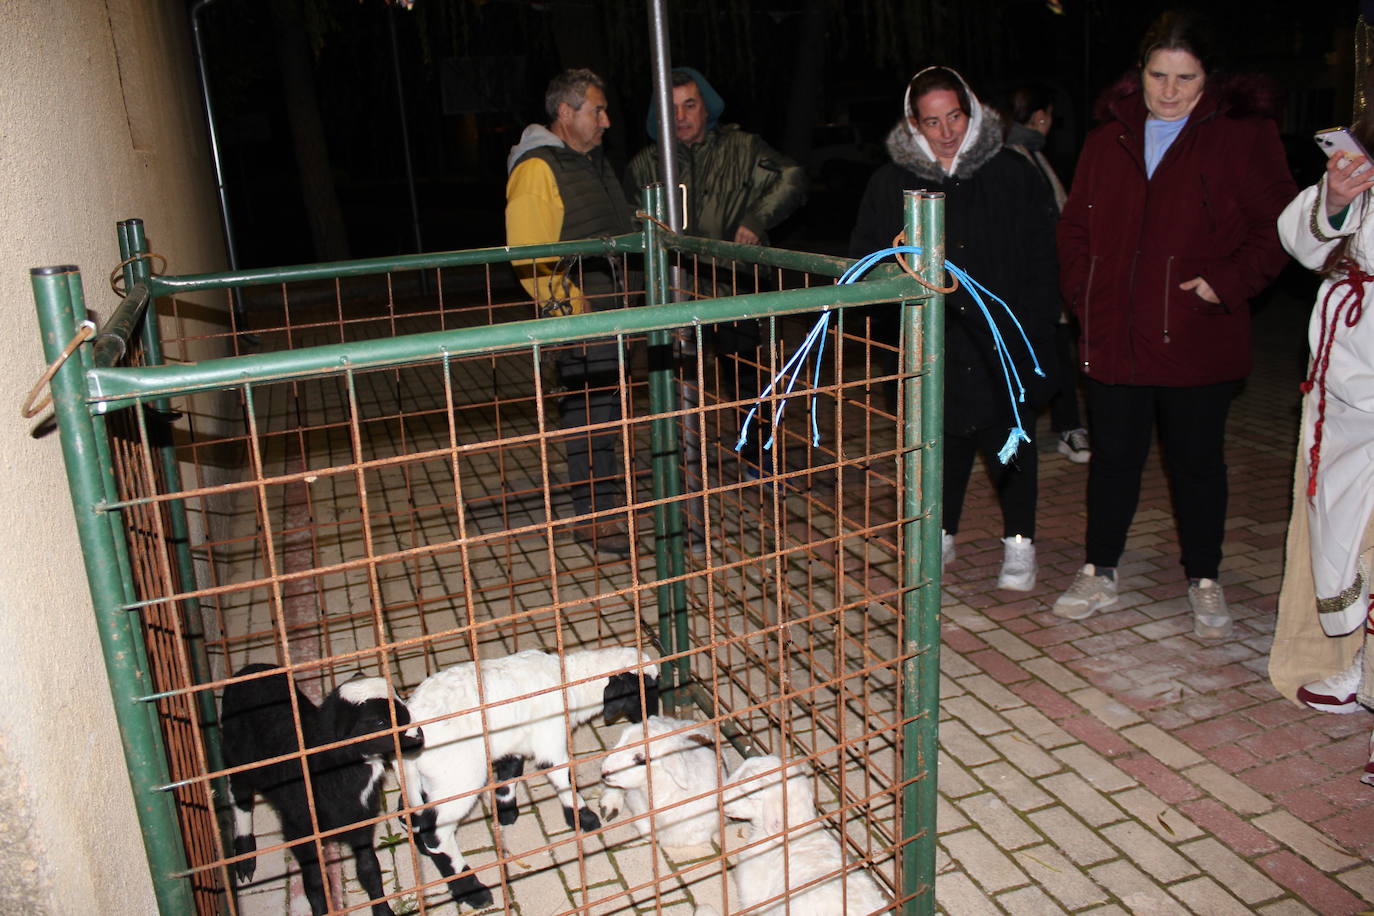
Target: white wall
100, 120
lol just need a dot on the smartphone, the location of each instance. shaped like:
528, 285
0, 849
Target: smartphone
1339, 141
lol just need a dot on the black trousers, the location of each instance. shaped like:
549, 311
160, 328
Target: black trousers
591, 375
1192, 432
1015, 481
1064, 404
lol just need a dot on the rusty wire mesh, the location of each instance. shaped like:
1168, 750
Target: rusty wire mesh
399, 521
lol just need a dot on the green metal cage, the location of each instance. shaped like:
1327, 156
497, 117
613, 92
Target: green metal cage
366, 472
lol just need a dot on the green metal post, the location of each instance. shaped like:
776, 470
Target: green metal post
921, 468
124, 664
132, 241
669, 519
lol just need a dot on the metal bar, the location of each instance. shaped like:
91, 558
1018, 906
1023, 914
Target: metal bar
112, 343
331, 270
922, 352
116, 388
669, 540
827, 265
663, 93
57, 316
132, 241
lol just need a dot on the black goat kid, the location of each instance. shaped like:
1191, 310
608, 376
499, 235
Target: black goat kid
345, 782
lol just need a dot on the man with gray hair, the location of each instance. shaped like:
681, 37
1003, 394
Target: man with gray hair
561, 187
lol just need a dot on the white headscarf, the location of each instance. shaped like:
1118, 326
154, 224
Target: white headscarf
975, 119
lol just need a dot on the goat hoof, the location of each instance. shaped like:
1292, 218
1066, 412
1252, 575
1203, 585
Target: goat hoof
586, 819
609, 813
478, 899
507, 816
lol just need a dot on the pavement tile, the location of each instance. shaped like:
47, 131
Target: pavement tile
1164, 747
1158, 778
1008, 782
990, 692
1316, 889
1028, 901
1010, 645
947, 816
1243, 879
1109, 710
1101, 738
971, 711
1088, 803
1046, 699
954, 780
998, 666
1218, 731
1071, 836
1203, 895
1360, 880
953, 664
984, 862
1134, 889
1296, 737
1228, 789
1352, 829
1306, 841
1025, 756
1223, 823
1092, 766
1149, 853
1307, 804
964, 745
996, 818
1151, 811
1232, 758
1053, 673
956, 895
1285, 908
1050, 870
1038, 727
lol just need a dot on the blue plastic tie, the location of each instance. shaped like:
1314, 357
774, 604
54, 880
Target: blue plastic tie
1016, 391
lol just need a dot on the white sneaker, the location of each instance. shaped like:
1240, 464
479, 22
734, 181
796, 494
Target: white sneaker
1211, 616
1088, 594
946, 549
1073, 445
1337, 692
1018, 564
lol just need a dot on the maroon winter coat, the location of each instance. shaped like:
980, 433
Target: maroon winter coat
1126, 242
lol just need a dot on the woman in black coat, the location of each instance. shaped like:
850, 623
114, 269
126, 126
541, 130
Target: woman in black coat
999, 227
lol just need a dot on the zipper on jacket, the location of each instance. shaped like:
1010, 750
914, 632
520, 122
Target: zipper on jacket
1168, 288
1087, 316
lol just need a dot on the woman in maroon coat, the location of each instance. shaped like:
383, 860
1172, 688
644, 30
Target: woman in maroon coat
1167, 234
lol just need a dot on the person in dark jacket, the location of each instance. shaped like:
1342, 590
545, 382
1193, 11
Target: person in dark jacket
561, 187
999, 224
1167, 234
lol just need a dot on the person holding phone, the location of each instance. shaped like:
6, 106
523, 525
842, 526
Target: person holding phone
1324, 602
1167, 233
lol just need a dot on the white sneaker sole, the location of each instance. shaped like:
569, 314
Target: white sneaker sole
1081, 612
1016, 583
1082, 456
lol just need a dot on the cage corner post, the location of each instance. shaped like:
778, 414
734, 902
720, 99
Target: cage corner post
57, 296
669, 518
922, 346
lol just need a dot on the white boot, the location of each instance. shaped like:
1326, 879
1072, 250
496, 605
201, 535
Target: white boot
1018, 564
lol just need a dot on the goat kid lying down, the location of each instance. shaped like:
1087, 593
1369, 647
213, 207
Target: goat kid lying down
258, 724
666, 771
442, 781
791, 855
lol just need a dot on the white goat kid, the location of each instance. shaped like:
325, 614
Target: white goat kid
789, 856
672, 767
444, 779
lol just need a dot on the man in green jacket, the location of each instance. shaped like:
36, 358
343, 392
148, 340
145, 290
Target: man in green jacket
737, 188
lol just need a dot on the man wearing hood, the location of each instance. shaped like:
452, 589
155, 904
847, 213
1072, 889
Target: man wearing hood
999, 227
561, 188
737, 187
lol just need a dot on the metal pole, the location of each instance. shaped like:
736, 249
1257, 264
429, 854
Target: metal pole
663, 92
405, 131
58, 297
231, 250
922, 348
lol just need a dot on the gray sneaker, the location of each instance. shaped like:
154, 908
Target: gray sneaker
1073, 445
1088, 594
1211, 616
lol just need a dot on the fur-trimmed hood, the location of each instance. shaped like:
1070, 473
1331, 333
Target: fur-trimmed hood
982, 141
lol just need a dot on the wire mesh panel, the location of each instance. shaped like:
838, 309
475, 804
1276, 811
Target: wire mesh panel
384, 473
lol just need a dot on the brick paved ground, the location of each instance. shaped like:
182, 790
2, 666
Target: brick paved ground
1119, 764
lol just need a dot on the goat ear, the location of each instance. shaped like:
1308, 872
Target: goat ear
699, 738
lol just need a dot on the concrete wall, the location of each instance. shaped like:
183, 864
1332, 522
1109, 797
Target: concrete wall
100, 120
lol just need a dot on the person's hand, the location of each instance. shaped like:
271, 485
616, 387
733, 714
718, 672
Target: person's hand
1342, 184
1203, 289
745, 236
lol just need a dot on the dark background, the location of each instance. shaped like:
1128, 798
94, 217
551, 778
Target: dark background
310, 119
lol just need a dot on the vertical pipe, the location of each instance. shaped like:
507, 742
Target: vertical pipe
391, 15
922, 348
203, 74
132, 240
669, 546
124, 664
663, 93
